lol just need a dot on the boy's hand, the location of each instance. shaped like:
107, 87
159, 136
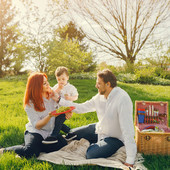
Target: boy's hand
59, 88
55, 96
68, 115
66, 96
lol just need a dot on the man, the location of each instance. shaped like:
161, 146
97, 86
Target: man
115, 114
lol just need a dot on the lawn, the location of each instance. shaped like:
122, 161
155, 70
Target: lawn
13, 120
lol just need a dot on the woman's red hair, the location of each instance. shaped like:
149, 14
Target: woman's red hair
33, 92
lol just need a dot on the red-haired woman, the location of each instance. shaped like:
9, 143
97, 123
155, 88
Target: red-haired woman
38, 105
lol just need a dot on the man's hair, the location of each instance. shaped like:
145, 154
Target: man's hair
108, 76
60, 70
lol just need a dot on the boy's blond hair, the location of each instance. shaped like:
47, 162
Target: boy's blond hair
60, 70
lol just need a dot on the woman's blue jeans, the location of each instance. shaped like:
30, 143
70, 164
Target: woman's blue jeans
33, 142
33, 145
98, 149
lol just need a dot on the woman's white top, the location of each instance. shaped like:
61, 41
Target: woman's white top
34, 116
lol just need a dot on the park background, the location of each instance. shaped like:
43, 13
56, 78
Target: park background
129, 37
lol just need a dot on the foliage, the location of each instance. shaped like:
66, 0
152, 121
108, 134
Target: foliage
121, 28
89, 75
68, 54
145, 75
71, 32
103, 65
161, 81
132, 78
22, 77
159, 58
165, 74
127, 78
18, 50
8, 34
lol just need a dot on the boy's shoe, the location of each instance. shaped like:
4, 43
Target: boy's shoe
70, 136
50, 140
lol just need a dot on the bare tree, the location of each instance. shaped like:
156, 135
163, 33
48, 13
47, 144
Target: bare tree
121, 27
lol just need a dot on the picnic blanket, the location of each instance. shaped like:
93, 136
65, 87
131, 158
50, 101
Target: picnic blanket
74, 154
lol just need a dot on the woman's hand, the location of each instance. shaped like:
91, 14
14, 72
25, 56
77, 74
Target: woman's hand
68, 115
52, 115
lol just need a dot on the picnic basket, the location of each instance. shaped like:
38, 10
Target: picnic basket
151, 114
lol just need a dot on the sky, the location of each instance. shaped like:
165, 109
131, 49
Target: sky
103, 56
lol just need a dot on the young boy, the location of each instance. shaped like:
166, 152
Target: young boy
66, 91
63, 87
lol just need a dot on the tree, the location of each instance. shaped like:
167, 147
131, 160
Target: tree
68, 54
73, 33
159, 57
120, 27
39, 29
70, 32
160, 60
18, 51
8, 33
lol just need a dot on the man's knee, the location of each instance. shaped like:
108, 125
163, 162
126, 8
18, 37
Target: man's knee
89, 155
91, 152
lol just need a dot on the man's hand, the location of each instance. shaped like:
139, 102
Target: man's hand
130, 165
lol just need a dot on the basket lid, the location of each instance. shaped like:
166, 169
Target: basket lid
154, 112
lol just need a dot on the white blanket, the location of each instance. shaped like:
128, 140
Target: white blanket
74, 154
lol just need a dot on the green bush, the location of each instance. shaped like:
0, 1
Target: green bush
161, 72
89, 75
145, 75
129, 67
165, 74
16, 77
161, 81
126, 78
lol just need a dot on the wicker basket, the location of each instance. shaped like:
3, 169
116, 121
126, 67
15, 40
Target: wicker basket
155, 114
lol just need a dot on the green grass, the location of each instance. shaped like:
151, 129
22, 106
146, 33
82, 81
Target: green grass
13, 119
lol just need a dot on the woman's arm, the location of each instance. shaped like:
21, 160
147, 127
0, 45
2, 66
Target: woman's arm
34, 118
41, 123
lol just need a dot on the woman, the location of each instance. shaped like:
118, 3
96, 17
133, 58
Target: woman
38, 105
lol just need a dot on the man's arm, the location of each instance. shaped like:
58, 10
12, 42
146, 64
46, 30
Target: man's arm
127, 128
88, 106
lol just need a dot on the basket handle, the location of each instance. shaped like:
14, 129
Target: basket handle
147, 137
168, 138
